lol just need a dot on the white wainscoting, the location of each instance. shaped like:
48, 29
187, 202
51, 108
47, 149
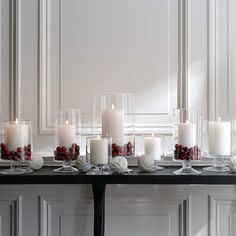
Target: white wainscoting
10, 214
131, 210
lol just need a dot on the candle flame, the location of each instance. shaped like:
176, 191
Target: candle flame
112, 107
98, 136
219, 119
67, 122
16, 121
187, 121
152, 134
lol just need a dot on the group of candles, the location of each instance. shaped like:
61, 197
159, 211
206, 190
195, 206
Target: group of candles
17, 135
219, 136
113, 124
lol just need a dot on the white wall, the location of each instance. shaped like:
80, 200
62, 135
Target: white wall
60, 52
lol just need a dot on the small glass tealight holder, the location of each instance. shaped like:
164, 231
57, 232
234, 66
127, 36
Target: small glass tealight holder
98, 152
16, 145
186, 139
218, 142
113, 117
67, 139
154, 147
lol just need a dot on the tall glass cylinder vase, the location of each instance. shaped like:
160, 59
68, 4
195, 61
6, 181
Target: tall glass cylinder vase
187, 139
219, 143
113, 117
67, 138
16, 145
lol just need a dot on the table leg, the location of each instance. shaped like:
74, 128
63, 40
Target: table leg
99, 209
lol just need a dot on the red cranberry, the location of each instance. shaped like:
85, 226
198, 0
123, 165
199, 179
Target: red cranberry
176, 146
63, 149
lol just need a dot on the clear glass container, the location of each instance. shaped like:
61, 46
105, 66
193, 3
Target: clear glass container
187, 139
98, 153
16, 145
218, 143
67, 138
113, 117
154, 147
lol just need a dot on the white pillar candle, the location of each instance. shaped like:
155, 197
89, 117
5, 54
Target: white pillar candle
66, 135
219, 137
99, 151
113, 125
152, 147
17, 135
187, 134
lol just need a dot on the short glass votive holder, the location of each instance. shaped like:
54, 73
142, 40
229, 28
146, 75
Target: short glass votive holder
218, 143
186, 139
113, 117
154, 147
67, 139
16, 145
98, 152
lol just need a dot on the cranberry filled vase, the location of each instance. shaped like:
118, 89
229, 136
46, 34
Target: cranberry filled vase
16, 145
186, 139
113, 117
67, 148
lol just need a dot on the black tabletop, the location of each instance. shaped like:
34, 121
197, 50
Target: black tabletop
165, 176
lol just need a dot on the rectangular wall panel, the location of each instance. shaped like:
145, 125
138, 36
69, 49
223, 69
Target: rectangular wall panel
92, 48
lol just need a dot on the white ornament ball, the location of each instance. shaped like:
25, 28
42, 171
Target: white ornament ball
146, 163
119, 164
35, 163
232, 164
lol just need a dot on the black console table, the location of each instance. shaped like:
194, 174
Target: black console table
99, 182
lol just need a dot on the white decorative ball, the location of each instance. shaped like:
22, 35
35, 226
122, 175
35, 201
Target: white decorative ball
36, 162
232, 164
82, 164
119, 164
146, 163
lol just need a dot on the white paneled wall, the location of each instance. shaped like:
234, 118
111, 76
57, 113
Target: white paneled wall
130, 210
57, 53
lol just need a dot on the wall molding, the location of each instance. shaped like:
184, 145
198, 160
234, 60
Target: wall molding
16, 213
45, 210
214, 203
15, 59
46, 204
183, 54
212, 83
45, 126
